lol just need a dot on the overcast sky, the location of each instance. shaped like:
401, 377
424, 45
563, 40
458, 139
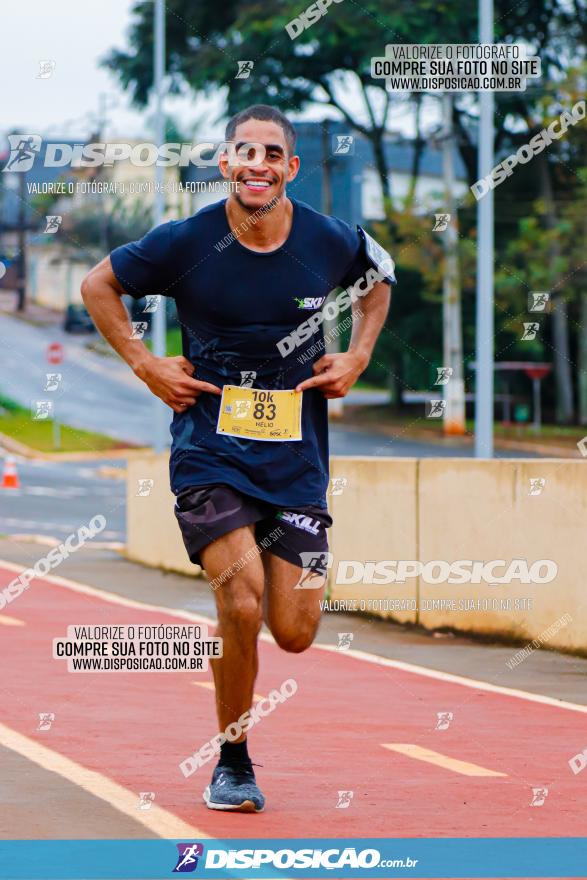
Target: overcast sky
76, 37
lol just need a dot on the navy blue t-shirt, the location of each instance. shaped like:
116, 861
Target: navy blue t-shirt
234, 305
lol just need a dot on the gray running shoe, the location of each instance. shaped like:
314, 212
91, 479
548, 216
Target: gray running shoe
234, 787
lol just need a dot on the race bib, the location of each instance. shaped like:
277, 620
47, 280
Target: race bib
260, 415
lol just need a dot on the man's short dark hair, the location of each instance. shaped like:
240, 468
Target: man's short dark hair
266, 114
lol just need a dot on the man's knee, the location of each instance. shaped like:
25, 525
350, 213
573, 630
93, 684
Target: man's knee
240, 603
297, 639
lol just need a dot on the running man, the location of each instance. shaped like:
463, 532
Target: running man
249, 457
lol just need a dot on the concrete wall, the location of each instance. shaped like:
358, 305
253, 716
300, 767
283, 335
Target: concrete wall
375, 517
153, 536
429, 509
484, 510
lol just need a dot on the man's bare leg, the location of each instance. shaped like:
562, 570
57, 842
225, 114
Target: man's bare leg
239, 603
292, 615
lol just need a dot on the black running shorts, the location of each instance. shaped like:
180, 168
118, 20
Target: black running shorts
206, 513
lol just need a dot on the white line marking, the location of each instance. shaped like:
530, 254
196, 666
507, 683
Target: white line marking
455, 679
358, 655
157, 820
10, 621
465, 768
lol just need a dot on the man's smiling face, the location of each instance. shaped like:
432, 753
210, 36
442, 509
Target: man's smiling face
264, 181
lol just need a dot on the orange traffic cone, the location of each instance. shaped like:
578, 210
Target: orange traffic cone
10, 477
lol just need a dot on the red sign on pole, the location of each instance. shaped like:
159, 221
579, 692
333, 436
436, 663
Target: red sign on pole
55, 353
537, 372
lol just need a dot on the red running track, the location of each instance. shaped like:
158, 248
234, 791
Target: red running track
135, 728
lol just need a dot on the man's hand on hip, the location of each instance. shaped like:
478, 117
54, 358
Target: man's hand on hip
335, 374
172, 380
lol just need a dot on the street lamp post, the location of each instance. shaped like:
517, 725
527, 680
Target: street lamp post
485, 317
159, 317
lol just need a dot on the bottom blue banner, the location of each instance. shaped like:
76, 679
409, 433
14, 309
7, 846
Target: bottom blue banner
527, 857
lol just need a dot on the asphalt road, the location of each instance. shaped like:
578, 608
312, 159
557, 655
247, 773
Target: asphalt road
96, 393
100, 393
56, 498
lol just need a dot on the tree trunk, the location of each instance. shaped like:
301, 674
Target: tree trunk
582, 372
377, 139
419, 144
560, 320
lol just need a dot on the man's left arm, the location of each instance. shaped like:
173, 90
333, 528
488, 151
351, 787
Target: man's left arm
335, 374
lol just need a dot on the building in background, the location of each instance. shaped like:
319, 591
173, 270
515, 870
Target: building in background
90, 224
338, 176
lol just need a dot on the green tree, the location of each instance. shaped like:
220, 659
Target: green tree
329, 64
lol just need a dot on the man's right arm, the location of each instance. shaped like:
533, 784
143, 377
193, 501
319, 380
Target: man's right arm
170, 379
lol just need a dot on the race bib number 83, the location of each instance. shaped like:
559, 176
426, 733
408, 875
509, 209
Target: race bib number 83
260, 415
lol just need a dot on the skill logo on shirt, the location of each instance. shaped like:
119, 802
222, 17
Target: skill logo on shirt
309, 302
300, 521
